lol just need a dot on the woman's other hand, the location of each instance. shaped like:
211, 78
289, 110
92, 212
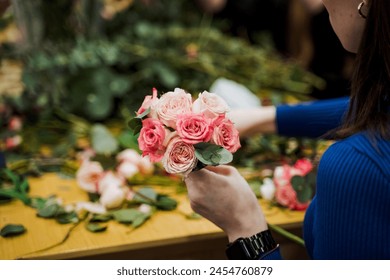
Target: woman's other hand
221, 195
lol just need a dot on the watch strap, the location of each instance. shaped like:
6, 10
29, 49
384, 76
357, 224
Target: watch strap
252, 247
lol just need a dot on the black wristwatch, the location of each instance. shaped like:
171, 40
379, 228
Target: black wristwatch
251, 248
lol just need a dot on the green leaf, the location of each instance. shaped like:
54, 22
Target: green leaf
126, 216
135, 124
12, 193
12, 176
67, 218
305, 194
95, 227
49, 211
165, 202
103, 142
211, 154
38, 202
12, 230
101, 218
142, 218
297, 182
145, 195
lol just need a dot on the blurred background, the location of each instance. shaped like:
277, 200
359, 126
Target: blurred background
68, 66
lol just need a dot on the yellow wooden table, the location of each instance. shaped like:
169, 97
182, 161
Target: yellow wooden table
166, 235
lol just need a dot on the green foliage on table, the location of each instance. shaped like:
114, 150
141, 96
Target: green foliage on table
12, 230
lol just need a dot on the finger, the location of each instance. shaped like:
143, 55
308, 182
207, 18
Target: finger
224, 170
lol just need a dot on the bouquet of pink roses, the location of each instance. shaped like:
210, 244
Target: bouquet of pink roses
185, 135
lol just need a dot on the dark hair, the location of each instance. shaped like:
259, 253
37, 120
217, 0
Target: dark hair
369, 108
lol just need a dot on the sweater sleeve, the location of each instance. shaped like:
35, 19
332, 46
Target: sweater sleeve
310, 119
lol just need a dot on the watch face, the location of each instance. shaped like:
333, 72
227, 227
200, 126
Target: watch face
238, 251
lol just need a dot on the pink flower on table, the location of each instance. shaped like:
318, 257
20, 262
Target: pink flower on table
151, 139
127, 169
112, 197
285, 194
110, 180
179, 157
210, 104
194, 128
304, 165
149, 102
143, 164
226, 134
171, 105
89, 175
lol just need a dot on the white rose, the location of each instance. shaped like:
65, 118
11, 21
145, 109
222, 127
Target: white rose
127, 169
267, 189
112, 197
210, 104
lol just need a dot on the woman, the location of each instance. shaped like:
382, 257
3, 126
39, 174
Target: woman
349, 218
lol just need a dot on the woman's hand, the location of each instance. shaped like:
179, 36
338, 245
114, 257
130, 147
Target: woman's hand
221, 195
250, 121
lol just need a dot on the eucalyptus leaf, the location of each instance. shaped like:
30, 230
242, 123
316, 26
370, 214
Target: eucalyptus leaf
101, 218
95, 227
67, 218
305, 194
297, 182
126, 216
103, 142
165, 202
146, 195
140, 220
211, 154
12, 230
49, 211
38, 202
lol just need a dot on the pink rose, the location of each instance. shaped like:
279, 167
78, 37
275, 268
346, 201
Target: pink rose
226, 135
151, 139
171, 105
304, 165
179, 157
194, 128
89, 175
285, 194
149, 102
109, 180
210, 104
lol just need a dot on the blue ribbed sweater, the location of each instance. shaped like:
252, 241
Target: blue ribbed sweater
349, 217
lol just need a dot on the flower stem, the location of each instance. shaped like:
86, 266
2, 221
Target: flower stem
287, 234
